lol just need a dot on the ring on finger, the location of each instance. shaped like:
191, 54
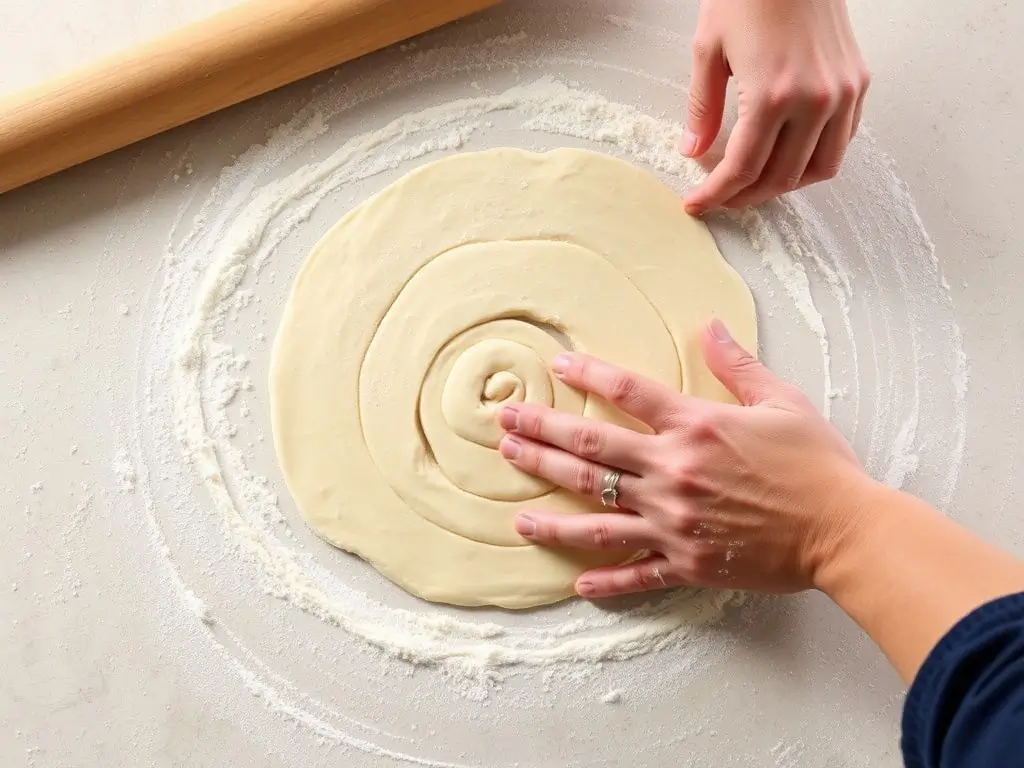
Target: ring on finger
610, 488
656, 573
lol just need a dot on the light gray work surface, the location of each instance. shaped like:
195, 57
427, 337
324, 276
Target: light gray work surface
104, 666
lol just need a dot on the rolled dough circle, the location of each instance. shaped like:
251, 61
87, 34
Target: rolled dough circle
443, 297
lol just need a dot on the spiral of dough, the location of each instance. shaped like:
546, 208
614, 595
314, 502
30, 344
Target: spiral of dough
438, 301
454, 482
475, 374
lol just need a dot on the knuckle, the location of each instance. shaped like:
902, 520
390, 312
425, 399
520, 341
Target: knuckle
698, 105
864, 75
600, 535
676, 416
530, 459
587, 441
683, 522
531, 422
579, 369
623, 389
744, 362
681, 472
585, 478
705, 426
642, 577
849, 89
777, 98
814, 94
701, 48
791, 182
546, 531
828, 170
741, 175
780, 183
819, 97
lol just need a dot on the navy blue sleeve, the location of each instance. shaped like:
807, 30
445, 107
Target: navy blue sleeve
965, 708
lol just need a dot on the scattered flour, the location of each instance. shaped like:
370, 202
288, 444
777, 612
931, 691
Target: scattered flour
612, 697
194, 374
197, 606
124, 469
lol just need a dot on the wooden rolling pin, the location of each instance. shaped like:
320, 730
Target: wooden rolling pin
244, 51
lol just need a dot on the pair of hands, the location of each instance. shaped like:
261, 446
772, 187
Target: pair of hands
761, 495
764, 495
801, 86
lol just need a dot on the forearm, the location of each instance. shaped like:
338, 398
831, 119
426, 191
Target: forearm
908, 574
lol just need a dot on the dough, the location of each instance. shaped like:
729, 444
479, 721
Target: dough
430, 305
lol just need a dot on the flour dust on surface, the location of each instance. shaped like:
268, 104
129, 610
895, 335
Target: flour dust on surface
852, 306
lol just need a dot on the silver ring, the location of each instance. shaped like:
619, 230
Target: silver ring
610, 491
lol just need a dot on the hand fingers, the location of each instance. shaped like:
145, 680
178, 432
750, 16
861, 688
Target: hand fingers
602, 530
707, 98
785, 169
864, 83
597, 441
741, 373
858, 110
562, 468
649, 573
648, 401
828, 156
746, 154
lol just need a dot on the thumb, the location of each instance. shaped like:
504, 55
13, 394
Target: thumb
740, 372
707, 99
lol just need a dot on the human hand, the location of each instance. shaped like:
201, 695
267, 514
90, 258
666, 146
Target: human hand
801, 83
752, 496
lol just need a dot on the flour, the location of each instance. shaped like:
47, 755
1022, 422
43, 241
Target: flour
196, 374
902, 461
124, 469
204, 384
788, 755
197, 606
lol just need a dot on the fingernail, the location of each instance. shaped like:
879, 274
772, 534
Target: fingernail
584, 588
509, 448
719, 331
560, 364
693, 209
509, 418
525, 525
687, 143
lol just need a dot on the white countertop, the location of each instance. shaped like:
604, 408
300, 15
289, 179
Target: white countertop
44, 39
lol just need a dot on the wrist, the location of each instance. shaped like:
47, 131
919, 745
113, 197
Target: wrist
848, 527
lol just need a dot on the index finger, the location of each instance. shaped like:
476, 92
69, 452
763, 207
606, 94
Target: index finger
746, 155
644, 399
